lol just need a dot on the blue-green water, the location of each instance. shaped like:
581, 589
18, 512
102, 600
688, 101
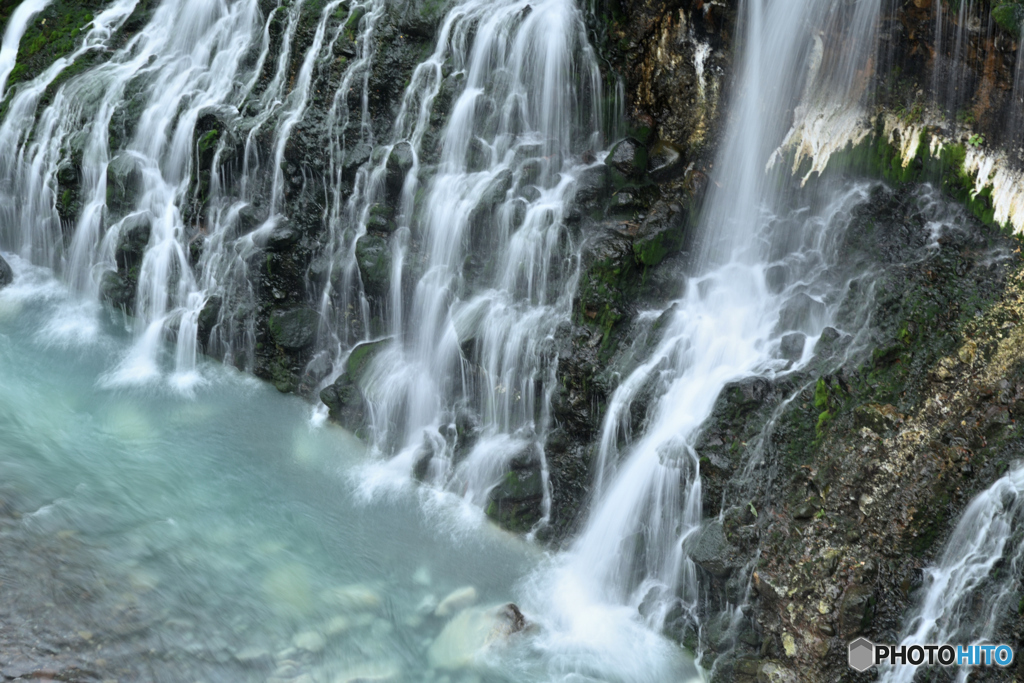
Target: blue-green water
224, 518
221, 534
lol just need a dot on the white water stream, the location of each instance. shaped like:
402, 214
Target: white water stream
968, 592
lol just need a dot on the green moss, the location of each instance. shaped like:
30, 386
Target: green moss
1009, 15
876, 157
821, 394
209, 140
823, 419
54, 33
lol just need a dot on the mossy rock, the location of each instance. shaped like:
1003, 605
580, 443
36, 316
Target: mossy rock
294, 329
373, 256
360, 357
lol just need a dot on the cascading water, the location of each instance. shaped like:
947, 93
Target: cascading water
761, 273
964, 597
477, 333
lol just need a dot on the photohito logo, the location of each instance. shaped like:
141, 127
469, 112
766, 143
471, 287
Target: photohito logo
863, 654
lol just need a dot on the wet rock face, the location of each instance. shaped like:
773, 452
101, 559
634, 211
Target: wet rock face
344, 398
6, 274
294, 329
869, 456
119, 287
516, 502
675, 57
967, 68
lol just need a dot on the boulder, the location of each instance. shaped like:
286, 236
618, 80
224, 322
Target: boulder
283, 236
208, 318
629, 158
801, 312
118, 287
791, 347
131, 245
712, 552
516, 502
124, 178
666, 161
591, 186
345, 404
361, 355
6, 274
661, 233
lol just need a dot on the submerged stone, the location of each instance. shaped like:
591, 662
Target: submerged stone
469, 635
459, 599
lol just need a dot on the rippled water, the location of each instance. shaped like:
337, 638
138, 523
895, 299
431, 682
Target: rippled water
150, 535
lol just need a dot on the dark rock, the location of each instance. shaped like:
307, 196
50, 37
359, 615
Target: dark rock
118, 287
827, 342
345, 404
124, 178
516, 501
373, 256
295, 328
856, 610
666, 161
381, 218
355, 157
801, 312
776, 277
282, 237
6, 274
208, 317
360, 357
399, 162
791, 347
131, 245
660, 234
519, 485
592, 186
629, 158
712, 552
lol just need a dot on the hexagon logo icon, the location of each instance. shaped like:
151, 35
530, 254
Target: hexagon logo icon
862, 654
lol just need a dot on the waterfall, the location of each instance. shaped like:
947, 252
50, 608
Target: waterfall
472, 321
968, 592
764, 269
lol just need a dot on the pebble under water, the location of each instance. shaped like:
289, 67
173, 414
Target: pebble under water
147, 534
